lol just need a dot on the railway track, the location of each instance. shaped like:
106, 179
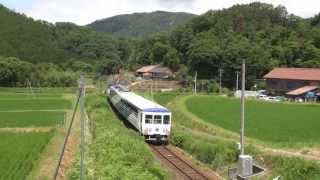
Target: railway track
187, 170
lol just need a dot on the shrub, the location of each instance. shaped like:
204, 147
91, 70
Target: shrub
216, 154
295, 168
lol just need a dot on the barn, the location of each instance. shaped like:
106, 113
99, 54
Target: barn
154, 72
292, 81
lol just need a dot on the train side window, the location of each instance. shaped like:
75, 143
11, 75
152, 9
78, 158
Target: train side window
148, 119
166, 119
157, 119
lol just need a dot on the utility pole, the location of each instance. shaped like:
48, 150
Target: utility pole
82, 124
220, 76
243, 83
152, 89
195, 83
30, 88
237, 82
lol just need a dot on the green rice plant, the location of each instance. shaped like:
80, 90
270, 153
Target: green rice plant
39, 90
19, 153
273, 122
34, 104
17, 96
31, 119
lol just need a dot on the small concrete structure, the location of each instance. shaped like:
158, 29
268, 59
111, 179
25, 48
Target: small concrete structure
246, 93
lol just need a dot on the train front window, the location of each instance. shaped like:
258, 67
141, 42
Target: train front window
157, 119
166, 119
148, 119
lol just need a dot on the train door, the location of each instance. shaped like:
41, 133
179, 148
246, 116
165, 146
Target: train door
140, 115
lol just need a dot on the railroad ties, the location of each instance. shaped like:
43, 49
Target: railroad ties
181, 165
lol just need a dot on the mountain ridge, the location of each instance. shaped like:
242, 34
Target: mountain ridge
141, 24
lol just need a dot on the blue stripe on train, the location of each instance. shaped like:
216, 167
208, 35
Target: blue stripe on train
156, 110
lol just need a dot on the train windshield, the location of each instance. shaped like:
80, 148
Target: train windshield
157, 119
148, 119
166, 119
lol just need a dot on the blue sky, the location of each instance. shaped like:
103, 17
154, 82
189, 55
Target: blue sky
19, 5
83, 12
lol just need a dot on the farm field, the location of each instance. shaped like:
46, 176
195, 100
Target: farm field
34, 104
271, 122
19, 96
31, 118
21, 150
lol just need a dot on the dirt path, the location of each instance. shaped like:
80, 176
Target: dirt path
41, 110
68, 157
28, 129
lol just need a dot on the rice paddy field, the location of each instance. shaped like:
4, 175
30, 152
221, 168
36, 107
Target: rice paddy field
27, 124
19, 152
266, 121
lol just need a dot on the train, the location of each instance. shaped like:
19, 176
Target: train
152, 120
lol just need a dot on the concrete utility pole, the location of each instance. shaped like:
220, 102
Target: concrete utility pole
151, 89
82, 124
195, 83
237, 82
220, 76
243, 83
30, 88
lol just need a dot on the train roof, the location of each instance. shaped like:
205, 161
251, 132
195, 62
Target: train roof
140, 102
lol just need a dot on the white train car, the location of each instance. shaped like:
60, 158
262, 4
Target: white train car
152, 120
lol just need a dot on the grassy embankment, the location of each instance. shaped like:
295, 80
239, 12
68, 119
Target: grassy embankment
115, 152
217, 147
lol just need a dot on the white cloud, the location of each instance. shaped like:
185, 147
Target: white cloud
84, 11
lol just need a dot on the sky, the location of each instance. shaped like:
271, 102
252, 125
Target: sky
83, 12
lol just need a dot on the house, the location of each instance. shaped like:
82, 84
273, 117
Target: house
292, 81
154, 72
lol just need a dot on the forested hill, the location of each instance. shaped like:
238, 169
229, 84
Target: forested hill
40, 41
264, 35
141, 24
